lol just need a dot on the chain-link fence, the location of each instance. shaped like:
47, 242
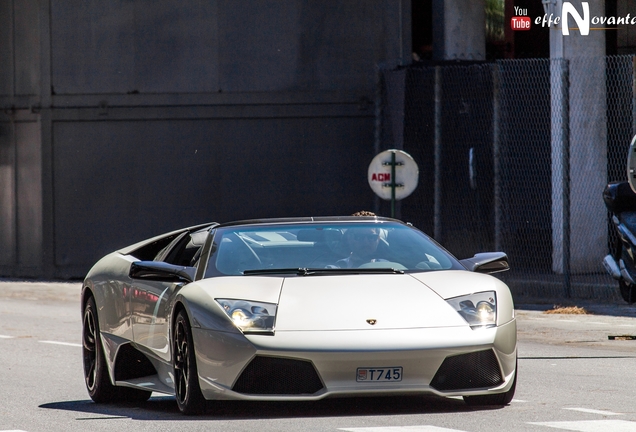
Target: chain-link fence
514, 156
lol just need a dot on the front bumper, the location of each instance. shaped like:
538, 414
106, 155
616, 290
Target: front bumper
336, 355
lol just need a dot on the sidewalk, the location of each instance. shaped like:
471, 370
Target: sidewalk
616, 309
600, 288
40, 290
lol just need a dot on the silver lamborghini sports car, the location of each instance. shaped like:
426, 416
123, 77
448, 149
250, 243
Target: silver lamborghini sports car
295, 310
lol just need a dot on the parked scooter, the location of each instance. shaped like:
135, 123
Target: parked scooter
620, 200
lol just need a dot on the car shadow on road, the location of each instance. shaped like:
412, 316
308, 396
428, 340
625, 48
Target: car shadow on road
165, 408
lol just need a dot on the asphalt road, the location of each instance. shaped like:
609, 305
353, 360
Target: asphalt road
572, 376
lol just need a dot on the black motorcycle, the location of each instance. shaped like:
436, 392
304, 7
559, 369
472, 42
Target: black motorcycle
620, 200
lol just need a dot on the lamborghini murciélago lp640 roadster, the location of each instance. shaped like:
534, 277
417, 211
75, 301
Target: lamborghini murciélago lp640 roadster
296, 310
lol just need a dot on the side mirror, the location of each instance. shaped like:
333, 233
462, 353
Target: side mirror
487, 262
161, 271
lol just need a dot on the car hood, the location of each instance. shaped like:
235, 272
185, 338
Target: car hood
361, 302
454, 283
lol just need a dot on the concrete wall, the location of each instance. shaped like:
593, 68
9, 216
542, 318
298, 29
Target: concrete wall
459, 30
194, 46
586, 120
21, 212
122, 119
626, 36
21, 194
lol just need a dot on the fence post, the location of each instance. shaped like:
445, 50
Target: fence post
437, 205
633, 95
377, 131
496, 153
565, 173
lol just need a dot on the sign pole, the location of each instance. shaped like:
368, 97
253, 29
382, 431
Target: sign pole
389, 182
393, 184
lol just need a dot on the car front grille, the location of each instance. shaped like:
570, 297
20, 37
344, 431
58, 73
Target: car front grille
278, 376
468, 371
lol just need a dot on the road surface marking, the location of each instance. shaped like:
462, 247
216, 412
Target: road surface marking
5, 337
593, 411
61, 343
591, 425
423, 428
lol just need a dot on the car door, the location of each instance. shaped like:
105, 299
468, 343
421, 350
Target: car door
151, 301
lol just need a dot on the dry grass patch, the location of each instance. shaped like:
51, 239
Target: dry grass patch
567, 310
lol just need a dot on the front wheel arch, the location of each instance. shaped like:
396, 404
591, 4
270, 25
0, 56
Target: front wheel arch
96, 376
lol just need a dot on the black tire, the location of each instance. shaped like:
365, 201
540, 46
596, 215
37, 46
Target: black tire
628, 292
186, 378
96, 377
499, 399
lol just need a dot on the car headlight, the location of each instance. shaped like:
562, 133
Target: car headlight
250, 316
478, 309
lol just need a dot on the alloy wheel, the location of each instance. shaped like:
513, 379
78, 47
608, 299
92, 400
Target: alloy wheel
89, 349
181, 362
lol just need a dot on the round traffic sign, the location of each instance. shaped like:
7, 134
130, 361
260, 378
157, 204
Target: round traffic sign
381, 170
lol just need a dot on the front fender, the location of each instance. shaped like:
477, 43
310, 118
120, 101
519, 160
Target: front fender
203, 311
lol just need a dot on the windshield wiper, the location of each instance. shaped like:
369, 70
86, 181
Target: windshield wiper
302, 271
296, 271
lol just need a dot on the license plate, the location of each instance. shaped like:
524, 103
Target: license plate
379, 374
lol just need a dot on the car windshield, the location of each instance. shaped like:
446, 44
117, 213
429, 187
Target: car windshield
319, 248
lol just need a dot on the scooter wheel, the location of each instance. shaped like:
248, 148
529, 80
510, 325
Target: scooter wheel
628, 292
